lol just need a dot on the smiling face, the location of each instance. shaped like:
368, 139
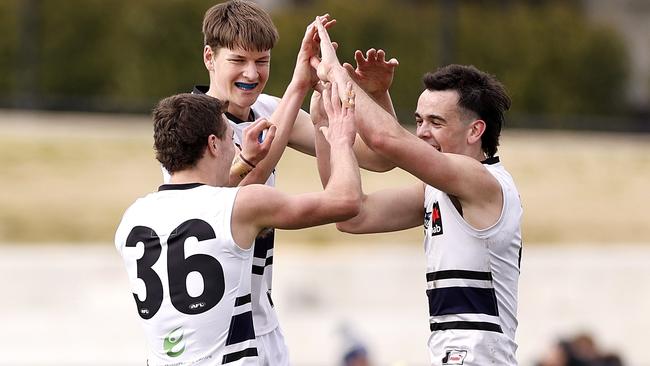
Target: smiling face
238, 76
441, 123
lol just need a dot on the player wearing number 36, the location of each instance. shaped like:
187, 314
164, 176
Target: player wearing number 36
187, 247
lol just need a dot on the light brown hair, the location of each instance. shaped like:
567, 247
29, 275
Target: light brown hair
239, 24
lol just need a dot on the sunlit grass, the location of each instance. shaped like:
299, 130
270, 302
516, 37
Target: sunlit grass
70, 179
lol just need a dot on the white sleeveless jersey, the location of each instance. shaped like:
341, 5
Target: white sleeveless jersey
472, 279
265, 318
190, 281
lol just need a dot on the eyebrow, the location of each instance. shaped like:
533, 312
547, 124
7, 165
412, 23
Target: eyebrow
430, 117
238, 55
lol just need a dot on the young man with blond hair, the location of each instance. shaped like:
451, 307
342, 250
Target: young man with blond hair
238, 39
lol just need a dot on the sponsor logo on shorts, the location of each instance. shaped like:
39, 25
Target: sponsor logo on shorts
454, 357
173, 343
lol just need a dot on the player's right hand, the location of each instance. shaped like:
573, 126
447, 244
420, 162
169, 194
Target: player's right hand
341, 115
253, 149
328, 60
317, 110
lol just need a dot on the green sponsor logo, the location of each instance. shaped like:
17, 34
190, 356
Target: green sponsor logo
172, 343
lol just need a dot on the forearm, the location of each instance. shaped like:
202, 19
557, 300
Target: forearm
283, 118
384, 100
374, 124
322, 154
345, 179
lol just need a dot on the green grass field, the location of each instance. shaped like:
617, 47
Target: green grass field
69, 177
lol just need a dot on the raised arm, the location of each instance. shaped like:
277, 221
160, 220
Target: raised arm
457, 175
258, 206
319, 118
287, 111
374, 75
403, 206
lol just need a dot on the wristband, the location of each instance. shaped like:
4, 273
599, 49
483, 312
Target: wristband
240, 168
246, 161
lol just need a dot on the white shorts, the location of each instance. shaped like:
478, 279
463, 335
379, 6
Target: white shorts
272, 349
468, 348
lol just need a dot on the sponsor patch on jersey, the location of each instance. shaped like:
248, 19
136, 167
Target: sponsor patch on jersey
454, 357
173, 343
433, 220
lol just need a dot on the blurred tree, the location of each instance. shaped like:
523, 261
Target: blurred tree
405, 30
75, 58
124, 55
8, 47
161, 48
549, 57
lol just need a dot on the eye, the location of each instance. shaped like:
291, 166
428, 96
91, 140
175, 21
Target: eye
262, 62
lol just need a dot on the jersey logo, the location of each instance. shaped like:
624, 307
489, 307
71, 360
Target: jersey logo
454, 357
173, 341
434, 220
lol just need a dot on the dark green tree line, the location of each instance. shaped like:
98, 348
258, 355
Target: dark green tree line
122, 55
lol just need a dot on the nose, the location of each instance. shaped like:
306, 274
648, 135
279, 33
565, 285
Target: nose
250, 71
422, 132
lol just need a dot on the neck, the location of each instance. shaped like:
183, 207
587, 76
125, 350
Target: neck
240, 112
200, 174
480, 155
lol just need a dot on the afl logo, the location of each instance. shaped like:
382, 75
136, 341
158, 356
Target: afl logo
197, 305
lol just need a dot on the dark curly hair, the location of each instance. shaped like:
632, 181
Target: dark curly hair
478, 92
181, 126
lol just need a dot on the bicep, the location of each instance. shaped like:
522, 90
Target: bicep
454, 174
388, 210
262, 206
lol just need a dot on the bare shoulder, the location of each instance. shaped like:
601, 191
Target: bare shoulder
253, 195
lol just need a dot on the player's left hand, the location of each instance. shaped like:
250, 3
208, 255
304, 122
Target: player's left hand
304, 73
373, 73
253, 149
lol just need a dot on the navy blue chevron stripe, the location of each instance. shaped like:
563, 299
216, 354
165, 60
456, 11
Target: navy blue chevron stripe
235, 356
461, 274
462, 300
263, 244
241, 328
243, 300
485, 326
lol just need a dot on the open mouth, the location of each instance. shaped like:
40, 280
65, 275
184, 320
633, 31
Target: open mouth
246, 86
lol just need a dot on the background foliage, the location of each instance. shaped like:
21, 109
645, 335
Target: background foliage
121, 55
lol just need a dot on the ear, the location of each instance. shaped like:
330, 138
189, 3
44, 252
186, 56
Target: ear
208, 57
475, 131
213, 147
